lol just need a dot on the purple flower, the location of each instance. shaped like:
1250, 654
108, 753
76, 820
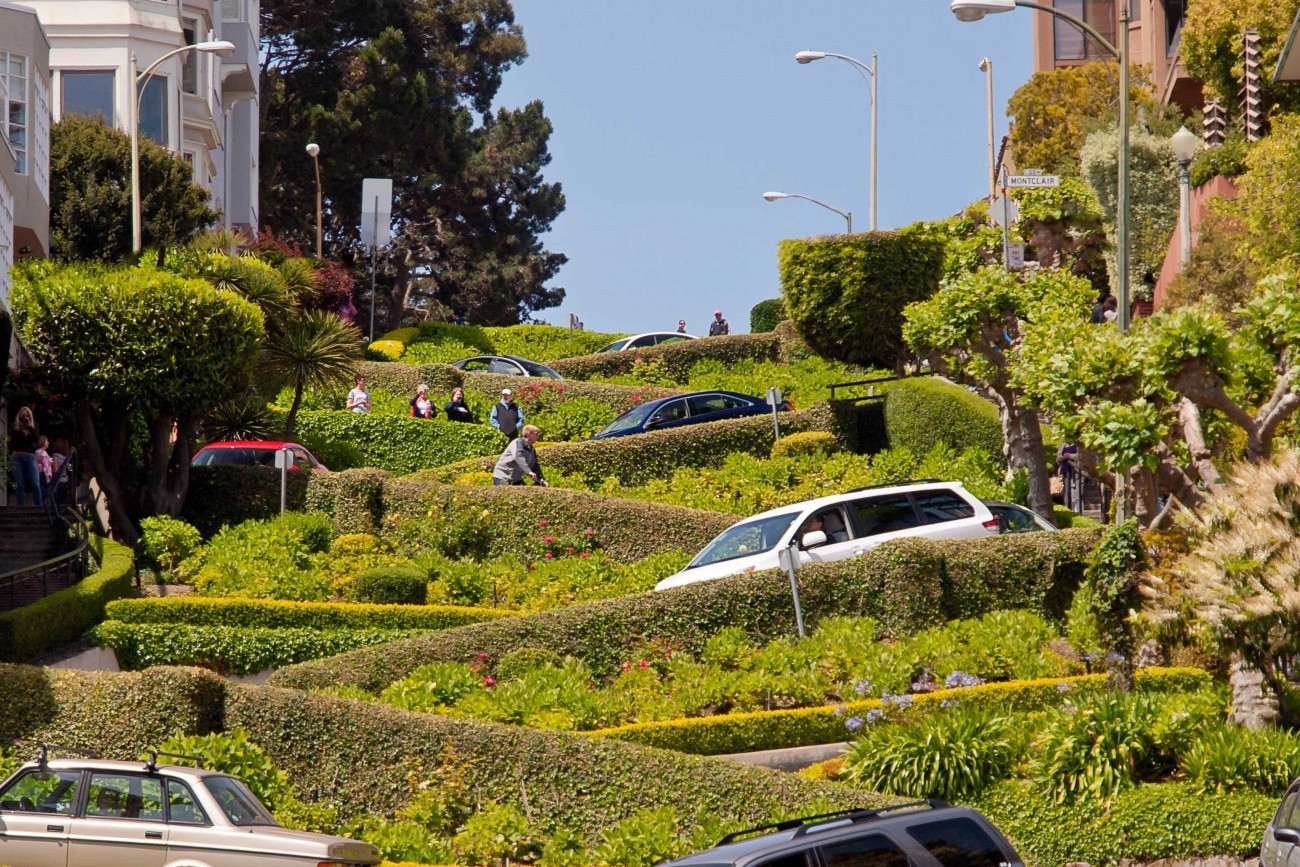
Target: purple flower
875, 715
948, 703
1064, 687
902, 702
839, 710
961, 680
853, 723
862, 687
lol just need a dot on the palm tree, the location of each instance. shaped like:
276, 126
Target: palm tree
311, 349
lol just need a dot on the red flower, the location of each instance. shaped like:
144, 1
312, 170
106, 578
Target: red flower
474, 666
541, 522
627, 666
549, 539
548, 555
643, 664
489, 681
590, 532
584, 555
568, 550
482, 656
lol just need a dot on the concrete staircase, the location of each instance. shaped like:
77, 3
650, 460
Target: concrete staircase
27, 538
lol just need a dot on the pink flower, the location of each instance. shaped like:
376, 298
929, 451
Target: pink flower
549, 539
583, 555
482, 656
474, 666
548, 556
489, 681
643, 664
568, 550
590, 532
542, 522
627, 666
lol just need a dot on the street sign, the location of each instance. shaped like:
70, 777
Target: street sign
1015, 256
1033, 181
376, 212
1004, 208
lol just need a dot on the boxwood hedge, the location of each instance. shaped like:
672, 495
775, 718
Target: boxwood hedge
677, 358
400, 444
923, 411
907, 585
220, 496
270, 613
60, 618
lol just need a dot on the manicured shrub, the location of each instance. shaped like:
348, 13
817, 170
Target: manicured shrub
386, 350
167, 541
391, 585
271, 614
403, 445
806, 443
675, 359
516, 663
766, 315
923, 411
60, 618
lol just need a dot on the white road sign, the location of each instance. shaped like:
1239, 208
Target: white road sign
998, 214
1033, 181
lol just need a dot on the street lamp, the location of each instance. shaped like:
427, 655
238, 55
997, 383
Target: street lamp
847, 215
1185, 143
974, 10
222, 48
313, 151
986, 66
864, 71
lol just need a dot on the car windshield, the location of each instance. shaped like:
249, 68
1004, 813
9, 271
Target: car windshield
744, 540
613, 347
535, 369
237, 457
630, 420
238, 804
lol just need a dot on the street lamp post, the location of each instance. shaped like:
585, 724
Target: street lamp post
974, 10
986, 66
864, 71
847, 215
313, 151
1184, 143
222, 48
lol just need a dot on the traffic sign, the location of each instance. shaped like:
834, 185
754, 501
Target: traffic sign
1033, 181
1015, 256
1003, 209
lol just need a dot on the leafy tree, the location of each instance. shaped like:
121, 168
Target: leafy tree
1212, 45
313, 349
970, 331
1053, 112
1064, 227
143, 354
1222, 273
404, 91
1270, 209
90, 193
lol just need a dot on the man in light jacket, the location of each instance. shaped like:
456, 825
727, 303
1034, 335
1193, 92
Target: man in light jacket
507, 416
519, 460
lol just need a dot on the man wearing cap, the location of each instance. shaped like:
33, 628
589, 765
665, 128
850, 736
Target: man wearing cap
507, 416
718, 325
519, 461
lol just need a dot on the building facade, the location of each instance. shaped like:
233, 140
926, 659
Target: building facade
197, 104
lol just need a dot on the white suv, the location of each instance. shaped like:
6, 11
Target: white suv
845, 525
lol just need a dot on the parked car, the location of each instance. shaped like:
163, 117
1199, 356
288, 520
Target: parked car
841, 526
650, 338
1281, 844
1017, 519
511, 365
253, 453
918, 834
683, 409
56, 812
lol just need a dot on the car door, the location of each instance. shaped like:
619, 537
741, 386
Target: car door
709, 407
122, 823
35, 815
840, 540
1280, 853
673, 413
946, 515
871, 850
881, 517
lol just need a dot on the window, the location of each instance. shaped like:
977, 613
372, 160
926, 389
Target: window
796, 860
876, 515
500, 365
673, 410
232, 10
88, 92
13, 69
153, 110
713, 403
40, 117
1175, 15
124, 796
6, 239
190, 59
42, 792
958, 843
477, 365
939, 506
873, 851
746, 540
1069, 41
1286, 814
181, 806
237, 802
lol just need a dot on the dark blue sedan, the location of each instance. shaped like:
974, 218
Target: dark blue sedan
683, 409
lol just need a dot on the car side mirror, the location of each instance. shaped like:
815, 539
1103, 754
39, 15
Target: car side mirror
813, 538
1287, 835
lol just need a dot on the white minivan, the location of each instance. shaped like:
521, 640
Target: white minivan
841, 526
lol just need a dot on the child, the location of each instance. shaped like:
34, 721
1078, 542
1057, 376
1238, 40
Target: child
44, 464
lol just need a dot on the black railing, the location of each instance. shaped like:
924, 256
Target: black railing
55, 573
871, 384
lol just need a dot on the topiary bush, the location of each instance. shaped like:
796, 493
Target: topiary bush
274, 614
403, 445
766, 315
167, 541
519, 662
805, 443
390, 585
923, 411
674, 360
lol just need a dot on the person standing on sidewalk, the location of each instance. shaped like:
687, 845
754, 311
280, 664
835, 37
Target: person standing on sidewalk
507, 416
719, 325
519, 461
23, 441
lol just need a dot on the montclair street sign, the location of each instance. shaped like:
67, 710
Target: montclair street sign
1033, 179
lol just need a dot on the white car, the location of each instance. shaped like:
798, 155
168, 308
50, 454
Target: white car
93, 813
841, 526
650, 338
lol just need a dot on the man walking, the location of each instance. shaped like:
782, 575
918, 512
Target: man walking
507, 416
719, 325
519, 461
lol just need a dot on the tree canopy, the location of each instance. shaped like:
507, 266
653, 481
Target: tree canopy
1212, 48
404, 90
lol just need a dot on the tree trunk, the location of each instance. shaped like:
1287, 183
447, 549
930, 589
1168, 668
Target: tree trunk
120, 526
292, 418
1022, 437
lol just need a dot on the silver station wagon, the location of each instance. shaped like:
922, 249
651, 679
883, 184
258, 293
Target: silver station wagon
93, 813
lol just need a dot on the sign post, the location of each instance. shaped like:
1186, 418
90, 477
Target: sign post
376, 227
789, 559
283, 460
774, 398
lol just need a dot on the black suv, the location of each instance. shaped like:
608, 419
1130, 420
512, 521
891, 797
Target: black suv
917, 834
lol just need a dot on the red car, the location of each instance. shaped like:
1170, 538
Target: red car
253, 453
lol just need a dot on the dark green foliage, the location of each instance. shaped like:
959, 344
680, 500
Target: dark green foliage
273, 614
766, 315
402, 445
1228, 159
1114, 591
846, 293
222, 496
923, 411
905, 585
390, 585
90, 193
677, 358
60, 618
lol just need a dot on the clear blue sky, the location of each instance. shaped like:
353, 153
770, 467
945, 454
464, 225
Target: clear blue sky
673, 118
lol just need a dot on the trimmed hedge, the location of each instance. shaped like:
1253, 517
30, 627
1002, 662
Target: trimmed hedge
923, 411
401, 445
399, 378
1141, 825
221, 496
906, 585
777, 729
118, 714
357, 752
235, 649
60, 618
766, 315
678, 358
272, 614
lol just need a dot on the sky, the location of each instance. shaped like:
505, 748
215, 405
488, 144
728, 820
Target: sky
672, 118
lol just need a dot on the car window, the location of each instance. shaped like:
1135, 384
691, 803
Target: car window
672, 338
628, 420
237, 802
227, 458
700, 404
798, 859
300, 457
500, 365
883, 514
673, 410
613, 347
746, 539
42, 792
957, 843
643, 340
939, 506
124, 796
875, 850
535, 369
182, 808
476, 365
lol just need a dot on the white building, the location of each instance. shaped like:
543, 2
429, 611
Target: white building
201, 106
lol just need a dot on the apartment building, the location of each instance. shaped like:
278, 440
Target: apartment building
1155, 29
25, 142
199, 105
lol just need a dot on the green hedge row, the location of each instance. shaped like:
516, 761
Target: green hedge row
538, 342
401, 445
403, 378
777, 729
677, 358
924, 411
233, 649
60, 618
766, 315
907, 585
1141, 825
270, 613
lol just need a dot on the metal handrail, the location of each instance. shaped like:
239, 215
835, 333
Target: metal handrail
77, 559
875, 381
